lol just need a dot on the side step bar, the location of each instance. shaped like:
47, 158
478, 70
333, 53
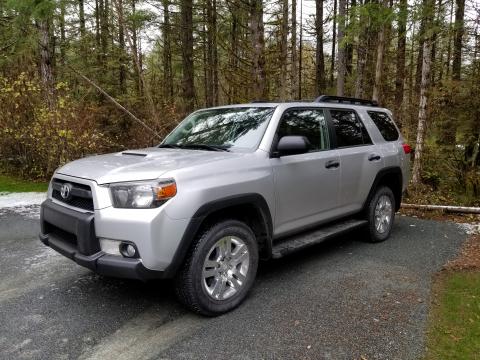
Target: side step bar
316, 236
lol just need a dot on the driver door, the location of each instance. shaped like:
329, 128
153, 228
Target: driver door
306, 185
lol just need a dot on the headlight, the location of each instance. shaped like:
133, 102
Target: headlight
142, 194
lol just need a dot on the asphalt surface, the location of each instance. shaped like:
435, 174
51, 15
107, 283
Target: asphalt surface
344, 299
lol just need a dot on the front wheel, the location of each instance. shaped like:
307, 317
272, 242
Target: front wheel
220, 268
381, 214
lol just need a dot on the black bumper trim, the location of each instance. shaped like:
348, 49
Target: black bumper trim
81, 225
102, 263
98, 261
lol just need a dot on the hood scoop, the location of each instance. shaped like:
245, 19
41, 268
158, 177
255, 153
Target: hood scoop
134, 154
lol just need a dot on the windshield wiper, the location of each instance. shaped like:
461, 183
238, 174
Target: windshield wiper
169, 146
194, 146
204, 147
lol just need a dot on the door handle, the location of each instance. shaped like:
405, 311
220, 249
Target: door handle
332, 164
374, 157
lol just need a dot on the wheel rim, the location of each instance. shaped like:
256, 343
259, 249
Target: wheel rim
225, 268
383, 214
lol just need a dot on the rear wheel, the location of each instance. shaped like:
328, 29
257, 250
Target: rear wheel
220, 268
381, 214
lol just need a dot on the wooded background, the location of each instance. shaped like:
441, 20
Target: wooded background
62, 62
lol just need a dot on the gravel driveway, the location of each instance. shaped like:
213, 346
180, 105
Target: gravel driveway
344, 299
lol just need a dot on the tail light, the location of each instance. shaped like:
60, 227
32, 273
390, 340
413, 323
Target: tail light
406, 148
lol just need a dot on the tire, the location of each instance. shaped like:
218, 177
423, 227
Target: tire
218, 286
380, 214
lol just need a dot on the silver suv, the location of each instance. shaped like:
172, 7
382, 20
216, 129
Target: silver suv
228, 186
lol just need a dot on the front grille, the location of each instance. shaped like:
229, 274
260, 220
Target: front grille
80, 197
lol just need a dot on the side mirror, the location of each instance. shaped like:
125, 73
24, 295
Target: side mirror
292, 145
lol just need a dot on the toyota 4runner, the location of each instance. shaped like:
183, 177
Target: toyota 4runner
228, 186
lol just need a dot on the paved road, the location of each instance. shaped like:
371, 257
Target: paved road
341, 300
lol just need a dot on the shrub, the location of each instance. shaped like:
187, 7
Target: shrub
35, 140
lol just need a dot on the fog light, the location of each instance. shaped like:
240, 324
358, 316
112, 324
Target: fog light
111, 247
128, 250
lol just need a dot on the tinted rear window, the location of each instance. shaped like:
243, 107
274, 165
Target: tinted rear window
349, 129
385, 125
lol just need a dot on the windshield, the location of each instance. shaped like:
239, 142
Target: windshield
225, 128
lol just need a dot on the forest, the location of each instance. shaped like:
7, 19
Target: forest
80, 77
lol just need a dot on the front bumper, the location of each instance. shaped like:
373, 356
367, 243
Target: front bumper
72, 234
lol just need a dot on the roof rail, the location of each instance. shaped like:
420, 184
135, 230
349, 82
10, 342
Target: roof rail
280, 101
345, 100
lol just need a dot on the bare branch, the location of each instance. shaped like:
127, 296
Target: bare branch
115, 102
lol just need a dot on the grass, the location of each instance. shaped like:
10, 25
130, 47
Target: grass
454, 324
11, 184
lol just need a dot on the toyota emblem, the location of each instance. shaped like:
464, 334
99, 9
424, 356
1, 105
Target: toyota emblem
66, 191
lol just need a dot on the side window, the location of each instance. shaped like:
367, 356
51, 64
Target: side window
310, 123
349, 130
385, 125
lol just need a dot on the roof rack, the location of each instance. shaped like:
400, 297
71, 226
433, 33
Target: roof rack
281, 101
345, 100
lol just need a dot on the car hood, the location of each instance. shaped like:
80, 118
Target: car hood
143, 164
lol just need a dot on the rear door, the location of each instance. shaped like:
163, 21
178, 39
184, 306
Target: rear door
393, 144
306, 185
360, 161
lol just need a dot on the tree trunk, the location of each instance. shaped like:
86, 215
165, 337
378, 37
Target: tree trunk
476, 36
421, 39
411, 85
214, 49
341, 49
137, 66
422, 107
438, 20
167, 53
447, 208
334, 42
258, 46
457, 43
294, 70
104, 31
97, 31
449, 49
362, 55
379, 64
361, 68
208, 54
122, 74
81, 15
283, 51
349, 46
234, 55
188, 89
206, 80
46, 61
62, 32
320, 61
212, 53
444, 65
400, 71
300, 53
